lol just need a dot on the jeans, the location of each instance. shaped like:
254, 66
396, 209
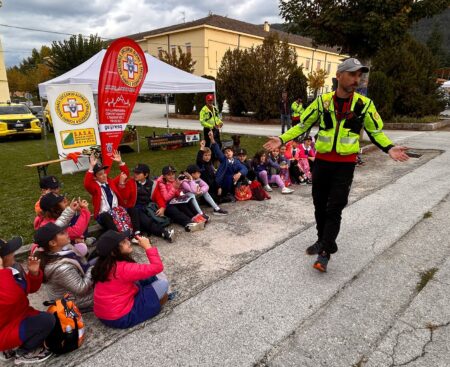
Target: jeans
331, 182
207, 198
285, 122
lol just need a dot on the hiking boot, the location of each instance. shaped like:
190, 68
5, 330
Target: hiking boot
36, 356
220, 212
268, 188
286, 190
193, 227
7, 355
168, 235
314, 249
322, 262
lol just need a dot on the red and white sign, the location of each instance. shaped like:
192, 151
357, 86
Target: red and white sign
122, 74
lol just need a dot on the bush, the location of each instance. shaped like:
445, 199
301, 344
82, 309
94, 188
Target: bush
184, 103
297, 85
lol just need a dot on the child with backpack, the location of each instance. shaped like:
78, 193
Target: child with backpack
127, 293
22, 328
195, 186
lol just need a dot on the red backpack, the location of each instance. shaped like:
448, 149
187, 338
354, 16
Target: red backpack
258, 193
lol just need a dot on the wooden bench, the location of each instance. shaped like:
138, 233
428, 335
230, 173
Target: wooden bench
42, 166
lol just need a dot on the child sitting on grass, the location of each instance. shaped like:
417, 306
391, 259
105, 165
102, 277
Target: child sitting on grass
195, 186
21, 326
127, 293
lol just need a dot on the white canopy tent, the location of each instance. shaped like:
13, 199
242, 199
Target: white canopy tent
161, 78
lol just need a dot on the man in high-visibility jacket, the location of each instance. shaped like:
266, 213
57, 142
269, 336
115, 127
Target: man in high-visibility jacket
210, 120
297, 110
341, 115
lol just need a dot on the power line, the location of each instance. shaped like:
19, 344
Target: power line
44, 31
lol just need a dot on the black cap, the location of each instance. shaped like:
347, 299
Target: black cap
192, 168
49, 200
49, 182
142, 168
241, 151
46, 233
98, 168
8, 247
109, 241
167, 169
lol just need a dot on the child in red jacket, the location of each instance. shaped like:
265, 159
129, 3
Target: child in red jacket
21, 326
111, 210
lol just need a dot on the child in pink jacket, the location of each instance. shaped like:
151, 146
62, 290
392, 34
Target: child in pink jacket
127, 293
193, 185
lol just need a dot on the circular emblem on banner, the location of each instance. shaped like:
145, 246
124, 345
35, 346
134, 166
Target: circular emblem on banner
130, 66
73, 108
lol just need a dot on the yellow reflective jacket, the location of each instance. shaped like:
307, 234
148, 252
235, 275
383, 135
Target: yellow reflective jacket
297, 109
363, 115
209, 118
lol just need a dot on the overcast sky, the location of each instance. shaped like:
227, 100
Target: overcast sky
111, 19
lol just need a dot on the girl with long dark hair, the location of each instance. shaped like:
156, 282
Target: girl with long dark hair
127, 293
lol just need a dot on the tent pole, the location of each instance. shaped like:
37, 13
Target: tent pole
137, 137
44, 123
167, 112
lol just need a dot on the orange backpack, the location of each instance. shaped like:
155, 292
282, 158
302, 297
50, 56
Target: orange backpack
68, 333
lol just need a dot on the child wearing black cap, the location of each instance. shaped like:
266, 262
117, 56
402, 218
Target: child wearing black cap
195, 186
111, 209
47, 184
64, 270
21, 326
127, 293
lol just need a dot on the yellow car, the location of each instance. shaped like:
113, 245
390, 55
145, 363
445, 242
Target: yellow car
17, 119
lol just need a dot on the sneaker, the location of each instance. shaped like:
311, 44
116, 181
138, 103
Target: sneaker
308, 181
168, 235
268, 188
302, 182
199, 219
220, 212
7, 355
314, 249
286, 190
192, 227
36, 356
322, 262
206, 217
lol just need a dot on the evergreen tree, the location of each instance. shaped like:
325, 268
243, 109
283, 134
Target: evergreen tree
435, 44
410, 67
297, 85
70, 53
381, 91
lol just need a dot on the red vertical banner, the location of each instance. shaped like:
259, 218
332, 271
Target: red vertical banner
122, 74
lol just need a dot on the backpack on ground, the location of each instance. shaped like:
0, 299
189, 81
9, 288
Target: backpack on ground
242, 192
151, 211
258, 193
68, 333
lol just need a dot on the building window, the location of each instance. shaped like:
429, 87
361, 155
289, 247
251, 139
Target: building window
188, 48
307, 64
318, 64
329, 68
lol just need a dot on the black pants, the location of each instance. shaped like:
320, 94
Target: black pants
295, 172
34, 329
106, 221
148, 225
180, 213
331, 182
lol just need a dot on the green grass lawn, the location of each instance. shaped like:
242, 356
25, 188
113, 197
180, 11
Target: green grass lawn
20, 184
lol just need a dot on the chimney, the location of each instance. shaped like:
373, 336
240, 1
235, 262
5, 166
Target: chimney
266, 26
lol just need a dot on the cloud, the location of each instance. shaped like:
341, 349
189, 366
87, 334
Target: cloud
111, 19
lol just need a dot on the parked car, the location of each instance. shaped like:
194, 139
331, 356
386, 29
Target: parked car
40, 112
17, 119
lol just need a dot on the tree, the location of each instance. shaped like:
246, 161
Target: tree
316, 80
72, 52
184, 103
435, 43
181, 61
359, 27
381, 91
297, 84
410, 68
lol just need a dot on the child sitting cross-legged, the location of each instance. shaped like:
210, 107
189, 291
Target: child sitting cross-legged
23, 329
268, 172
127, 293
195, 186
